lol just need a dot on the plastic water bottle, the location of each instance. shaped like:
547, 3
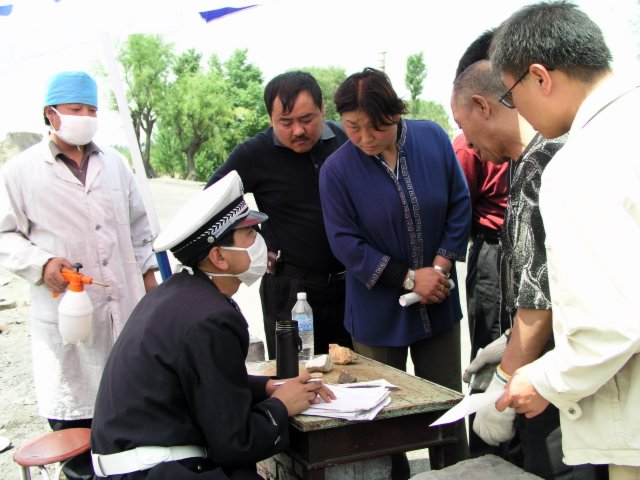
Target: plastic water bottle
303, 314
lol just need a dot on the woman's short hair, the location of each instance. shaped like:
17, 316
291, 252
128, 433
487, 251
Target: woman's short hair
370, 91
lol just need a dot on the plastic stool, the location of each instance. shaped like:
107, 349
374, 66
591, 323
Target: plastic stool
55, 447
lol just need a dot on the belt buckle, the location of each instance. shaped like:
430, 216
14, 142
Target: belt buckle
150, 456
97, 465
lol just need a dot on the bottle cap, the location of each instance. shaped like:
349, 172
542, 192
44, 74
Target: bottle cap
302, 295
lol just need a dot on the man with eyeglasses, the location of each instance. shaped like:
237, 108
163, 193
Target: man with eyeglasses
591, 213
500, 134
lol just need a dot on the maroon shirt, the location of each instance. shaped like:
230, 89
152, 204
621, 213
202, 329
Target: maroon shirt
487, 186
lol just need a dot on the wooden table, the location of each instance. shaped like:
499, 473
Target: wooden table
318, 442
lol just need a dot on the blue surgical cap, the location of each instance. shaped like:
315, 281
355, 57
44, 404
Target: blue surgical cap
72, 87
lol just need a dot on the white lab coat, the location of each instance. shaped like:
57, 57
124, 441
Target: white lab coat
46, 212
590, 205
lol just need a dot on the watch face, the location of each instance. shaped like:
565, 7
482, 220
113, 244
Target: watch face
409, 282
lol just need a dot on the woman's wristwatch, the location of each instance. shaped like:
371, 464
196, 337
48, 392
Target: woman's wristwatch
410, 282
440, 269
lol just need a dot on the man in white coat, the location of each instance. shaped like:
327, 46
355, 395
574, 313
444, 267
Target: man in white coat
67, 201
556, 65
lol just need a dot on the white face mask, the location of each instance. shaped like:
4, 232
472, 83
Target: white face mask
75, 129
258, 266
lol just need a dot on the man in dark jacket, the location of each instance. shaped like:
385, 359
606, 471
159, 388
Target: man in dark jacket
280, 167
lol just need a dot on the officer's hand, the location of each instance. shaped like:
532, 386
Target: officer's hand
492, 426
52, 277
298, 393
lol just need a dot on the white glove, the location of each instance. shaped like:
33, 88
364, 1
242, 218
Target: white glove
485, 363
492, 426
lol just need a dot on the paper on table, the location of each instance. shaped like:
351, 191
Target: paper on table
355, 415
352, 399
467, 406
352, 403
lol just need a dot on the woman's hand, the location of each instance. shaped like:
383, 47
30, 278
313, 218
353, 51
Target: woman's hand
432, 285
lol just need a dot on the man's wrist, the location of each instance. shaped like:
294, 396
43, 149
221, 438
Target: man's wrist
443, 270
502, 375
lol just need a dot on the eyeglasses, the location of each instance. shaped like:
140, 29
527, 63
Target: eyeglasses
507, 98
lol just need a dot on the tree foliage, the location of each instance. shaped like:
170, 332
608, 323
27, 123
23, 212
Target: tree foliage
414, 79
429, 110
244, 91
187, 63
329, 78
146, 60
419, 108
206, 113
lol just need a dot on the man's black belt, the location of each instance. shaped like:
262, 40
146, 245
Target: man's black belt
307, 274
488, 236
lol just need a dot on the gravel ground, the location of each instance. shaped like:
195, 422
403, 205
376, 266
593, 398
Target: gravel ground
19, 419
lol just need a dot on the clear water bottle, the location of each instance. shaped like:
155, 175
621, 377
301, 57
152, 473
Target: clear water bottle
303, 314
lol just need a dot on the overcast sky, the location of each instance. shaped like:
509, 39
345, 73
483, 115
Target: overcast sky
42, 37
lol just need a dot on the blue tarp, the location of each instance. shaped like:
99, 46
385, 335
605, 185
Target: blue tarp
211, 15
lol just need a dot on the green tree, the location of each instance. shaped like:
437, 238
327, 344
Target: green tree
245, 94
187, 62
196, 110
226, 96
429, 110
329, 78
414, 79
147, 62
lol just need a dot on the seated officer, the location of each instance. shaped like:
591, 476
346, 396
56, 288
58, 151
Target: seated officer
175, 400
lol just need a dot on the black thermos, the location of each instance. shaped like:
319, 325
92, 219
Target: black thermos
288, 344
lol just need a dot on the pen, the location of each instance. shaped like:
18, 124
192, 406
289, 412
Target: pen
473, 375
277, 384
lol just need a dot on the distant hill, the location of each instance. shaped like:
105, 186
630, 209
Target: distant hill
15, 142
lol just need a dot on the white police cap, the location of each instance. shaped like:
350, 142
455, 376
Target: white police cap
205, 218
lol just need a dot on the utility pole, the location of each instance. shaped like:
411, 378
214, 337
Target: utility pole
383, 57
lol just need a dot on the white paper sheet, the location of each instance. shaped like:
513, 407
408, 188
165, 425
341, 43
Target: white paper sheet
469, 404
352, 403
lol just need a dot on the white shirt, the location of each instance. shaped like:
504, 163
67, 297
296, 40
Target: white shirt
46, 212
590, 205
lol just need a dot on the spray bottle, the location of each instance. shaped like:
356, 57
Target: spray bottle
75, 309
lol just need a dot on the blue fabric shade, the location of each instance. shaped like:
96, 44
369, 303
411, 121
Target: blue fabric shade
211, 15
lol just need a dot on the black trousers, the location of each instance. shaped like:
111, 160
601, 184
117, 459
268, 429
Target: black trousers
483, 294
80, 467
278, 296
484, 314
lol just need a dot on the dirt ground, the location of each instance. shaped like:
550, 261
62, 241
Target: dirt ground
19, 419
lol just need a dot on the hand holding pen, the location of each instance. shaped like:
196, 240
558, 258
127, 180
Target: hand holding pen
300, 392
